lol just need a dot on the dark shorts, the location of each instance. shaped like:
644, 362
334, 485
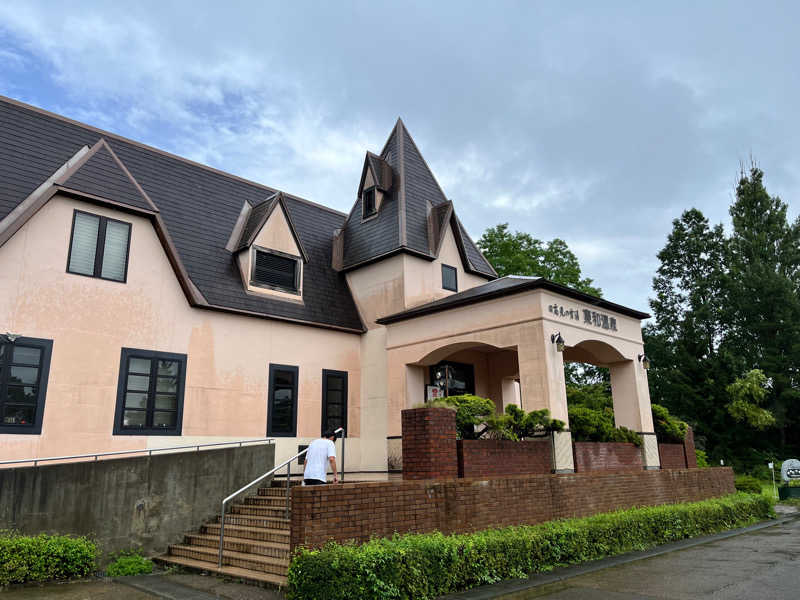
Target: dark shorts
314, 482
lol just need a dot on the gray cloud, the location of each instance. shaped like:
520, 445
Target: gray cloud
598, 124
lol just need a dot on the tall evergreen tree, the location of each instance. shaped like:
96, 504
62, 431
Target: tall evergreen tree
763, 309
685, 342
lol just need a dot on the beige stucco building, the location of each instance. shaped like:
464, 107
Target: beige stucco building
149, 301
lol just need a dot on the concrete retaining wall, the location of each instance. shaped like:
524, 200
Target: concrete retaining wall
146, 502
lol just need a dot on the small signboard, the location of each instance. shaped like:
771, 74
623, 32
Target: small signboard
790, 470
433, 392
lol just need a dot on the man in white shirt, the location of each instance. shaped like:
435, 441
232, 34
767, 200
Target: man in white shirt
320, 453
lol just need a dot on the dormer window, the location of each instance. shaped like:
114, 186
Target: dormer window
275, 270
368, 203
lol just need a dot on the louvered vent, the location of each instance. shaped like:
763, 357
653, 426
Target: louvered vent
272, 270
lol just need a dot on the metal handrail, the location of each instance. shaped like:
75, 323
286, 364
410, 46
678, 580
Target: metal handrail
149, 451
288, 465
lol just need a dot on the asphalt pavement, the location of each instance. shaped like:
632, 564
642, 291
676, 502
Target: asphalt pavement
762, 564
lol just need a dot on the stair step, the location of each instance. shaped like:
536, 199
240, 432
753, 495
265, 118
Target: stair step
243, 560
273, 492
281, 483
237, 544
263, 534
211, 567
272, 501
255, 521
274, 512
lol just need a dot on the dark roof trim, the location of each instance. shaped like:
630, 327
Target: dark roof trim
401, 250
401, 194
110, 134
251, 313
276, 200
524, 286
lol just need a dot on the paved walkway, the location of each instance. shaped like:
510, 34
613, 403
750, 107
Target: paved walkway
760, 564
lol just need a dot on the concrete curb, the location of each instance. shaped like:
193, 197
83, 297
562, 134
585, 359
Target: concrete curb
498, 590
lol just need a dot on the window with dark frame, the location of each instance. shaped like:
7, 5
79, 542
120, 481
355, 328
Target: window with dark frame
282, 407
150, 393
24, 370
449, 278
334, 400
99, 247
368, 203
275, 270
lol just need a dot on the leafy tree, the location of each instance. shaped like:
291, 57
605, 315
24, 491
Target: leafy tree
747, 394
520, 253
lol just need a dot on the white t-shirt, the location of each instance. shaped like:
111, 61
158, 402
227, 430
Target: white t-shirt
317, 459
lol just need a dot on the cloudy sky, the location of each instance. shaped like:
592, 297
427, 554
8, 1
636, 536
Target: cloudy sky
597, 123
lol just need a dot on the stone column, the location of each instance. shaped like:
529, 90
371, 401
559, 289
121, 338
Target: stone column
632, 406
542, 385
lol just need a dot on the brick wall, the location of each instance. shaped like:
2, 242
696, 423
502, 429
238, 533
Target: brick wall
358, 511
607, 456
429, 443
484, 458
672, 456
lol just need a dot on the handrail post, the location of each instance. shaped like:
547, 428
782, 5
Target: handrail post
288, 484
221, 534
342, 465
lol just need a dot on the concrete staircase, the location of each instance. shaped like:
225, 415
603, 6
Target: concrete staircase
256, 540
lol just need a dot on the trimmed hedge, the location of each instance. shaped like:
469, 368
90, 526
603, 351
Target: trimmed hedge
45, 557
429, 565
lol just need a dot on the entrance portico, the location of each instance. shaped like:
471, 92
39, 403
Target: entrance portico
507, 331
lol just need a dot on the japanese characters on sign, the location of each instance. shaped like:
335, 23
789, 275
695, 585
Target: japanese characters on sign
590, 317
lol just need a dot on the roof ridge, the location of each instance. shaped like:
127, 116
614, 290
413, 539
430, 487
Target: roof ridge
122, 138
425, 162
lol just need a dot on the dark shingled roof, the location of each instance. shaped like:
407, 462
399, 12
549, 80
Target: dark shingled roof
199, 207
103, 176
506, 286
402, 223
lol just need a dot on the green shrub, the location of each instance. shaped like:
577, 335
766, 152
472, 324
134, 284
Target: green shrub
668, 429
702, 458
470, 411
517, 424
129, 562
424, 566
593, 425
44, 557
746, 483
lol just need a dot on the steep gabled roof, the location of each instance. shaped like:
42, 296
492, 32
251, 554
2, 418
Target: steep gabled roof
381, 171
259, 215
194, 210
411, 215
103, 175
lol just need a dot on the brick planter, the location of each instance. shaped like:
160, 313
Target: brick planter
607, 456
429, 443
672, 456
485, 458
